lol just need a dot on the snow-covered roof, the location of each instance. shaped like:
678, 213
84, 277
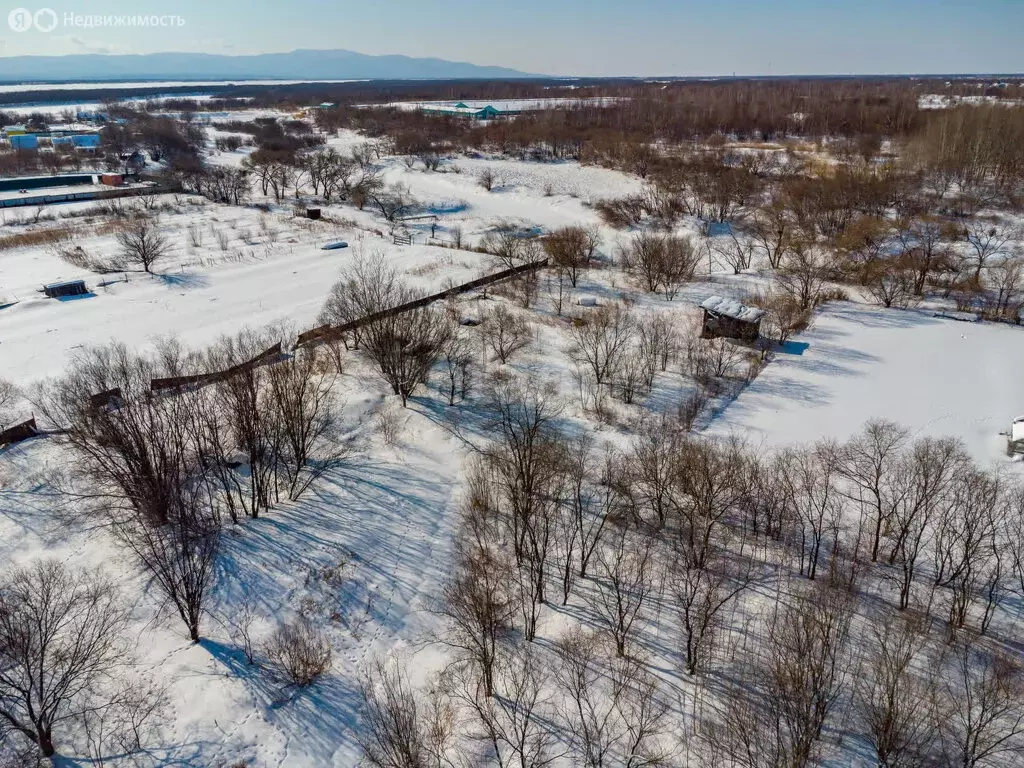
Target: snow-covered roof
732, 308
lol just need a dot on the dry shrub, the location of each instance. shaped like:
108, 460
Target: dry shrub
389, 425
784, 315
621, 213
299, 652
77, 256
52, 236
691, 407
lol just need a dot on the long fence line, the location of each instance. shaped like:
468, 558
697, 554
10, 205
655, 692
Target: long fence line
320, 335
328, 333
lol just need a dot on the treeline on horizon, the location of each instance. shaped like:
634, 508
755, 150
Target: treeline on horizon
844, 105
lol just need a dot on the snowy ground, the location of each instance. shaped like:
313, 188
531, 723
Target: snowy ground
386, 524
936, 376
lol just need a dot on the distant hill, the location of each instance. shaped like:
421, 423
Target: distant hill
295, 65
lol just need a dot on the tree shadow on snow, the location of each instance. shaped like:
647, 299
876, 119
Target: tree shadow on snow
183, 280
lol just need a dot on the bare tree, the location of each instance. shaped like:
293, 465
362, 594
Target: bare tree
241, 419
802, 273
513, 724
869, 462
508, 243
892, 285
526, 435
660, 262
141, 462
812, 475
487, 179
9, 395
920, 488
506, 332
703, 588
305, 419
142, 243
1007, 279
987, 240
399, 727
925, 245
772, 231
612, 709
626, 581
735, 250
458, 361
479, 610
894, 701
966, 541
658, 343
404, 345
982, 707
572, 249
61, 643
392, 202
805, 672
600, 340
179, 554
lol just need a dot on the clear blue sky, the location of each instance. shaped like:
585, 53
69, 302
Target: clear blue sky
576, 37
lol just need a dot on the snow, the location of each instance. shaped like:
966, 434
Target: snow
386, 524
731, 308
933, 375
200, 294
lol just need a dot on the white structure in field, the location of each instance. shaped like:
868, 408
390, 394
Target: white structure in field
1015, 437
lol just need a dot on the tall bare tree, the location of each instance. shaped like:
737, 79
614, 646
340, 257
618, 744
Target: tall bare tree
626, 583
142, 243
62, 642
401, 728
982, 707
506, 332
572, 249
600, 340
895, 702
869, 461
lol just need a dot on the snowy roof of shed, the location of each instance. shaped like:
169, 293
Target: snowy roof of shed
732, 308
64, 284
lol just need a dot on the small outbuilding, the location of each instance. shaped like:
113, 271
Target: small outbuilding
728, 318
18, 432
1015, 437
70, 288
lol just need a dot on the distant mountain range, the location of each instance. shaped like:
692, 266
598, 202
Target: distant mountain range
295, 65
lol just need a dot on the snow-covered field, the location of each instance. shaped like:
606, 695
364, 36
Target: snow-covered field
384, 527
270, 269
935, 375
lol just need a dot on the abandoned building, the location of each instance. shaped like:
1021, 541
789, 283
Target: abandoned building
728, 318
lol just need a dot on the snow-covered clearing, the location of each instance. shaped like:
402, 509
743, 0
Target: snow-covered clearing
935, 375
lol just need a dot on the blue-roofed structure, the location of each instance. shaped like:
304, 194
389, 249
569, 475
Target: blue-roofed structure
24, 141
